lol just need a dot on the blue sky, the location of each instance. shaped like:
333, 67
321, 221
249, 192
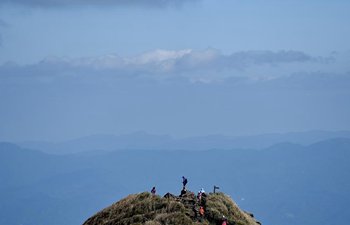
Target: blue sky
34, 31
193, 67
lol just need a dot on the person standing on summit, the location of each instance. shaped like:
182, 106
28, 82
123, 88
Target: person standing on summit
184, 182
153, 191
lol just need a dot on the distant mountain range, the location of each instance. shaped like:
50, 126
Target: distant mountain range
143, 140
283, 184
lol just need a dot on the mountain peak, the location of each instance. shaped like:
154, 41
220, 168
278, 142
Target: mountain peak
145, 208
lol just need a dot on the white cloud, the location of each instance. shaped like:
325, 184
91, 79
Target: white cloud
159, 56
182, 60
203, 66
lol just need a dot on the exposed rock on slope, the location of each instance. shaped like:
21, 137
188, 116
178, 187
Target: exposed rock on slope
168, 210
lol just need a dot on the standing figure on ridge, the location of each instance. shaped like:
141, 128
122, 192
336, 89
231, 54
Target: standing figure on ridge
200, 194
153, 191
199, 197
184, 182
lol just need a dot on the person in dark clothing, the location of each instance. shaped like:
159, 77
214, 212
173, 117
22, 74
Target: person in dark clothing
183, 191
153, 191
199, 196
184, 181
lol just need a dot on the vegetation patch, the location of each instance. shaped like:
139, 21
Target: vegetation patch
148, 209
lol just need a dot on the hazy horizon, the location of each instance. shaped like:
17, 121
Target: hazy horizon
142, 132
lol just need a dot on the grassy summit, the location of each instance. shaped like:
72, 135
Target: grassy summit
144, 208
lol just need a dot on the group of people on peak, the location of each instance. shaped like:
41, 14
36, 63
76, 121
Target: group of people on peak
184, 183
201, 199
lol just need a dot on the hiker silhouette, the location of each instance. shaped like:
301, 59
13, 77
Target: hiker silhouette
184, 181
153, 191
183, 191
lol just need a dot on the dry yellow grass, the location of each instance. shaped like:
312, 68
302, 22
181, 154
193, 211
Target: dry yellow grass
147, 209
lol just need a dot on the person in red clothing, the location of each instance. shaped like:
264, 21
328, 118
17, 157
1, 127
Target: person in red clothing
201, 211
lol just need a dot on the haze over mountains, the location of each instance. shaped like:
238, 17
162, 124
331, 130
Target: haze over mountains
285, 183
143, 140
78, 77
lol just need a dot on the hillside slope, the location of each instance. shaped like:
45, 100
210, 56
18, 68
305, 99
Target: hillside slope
145, 208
